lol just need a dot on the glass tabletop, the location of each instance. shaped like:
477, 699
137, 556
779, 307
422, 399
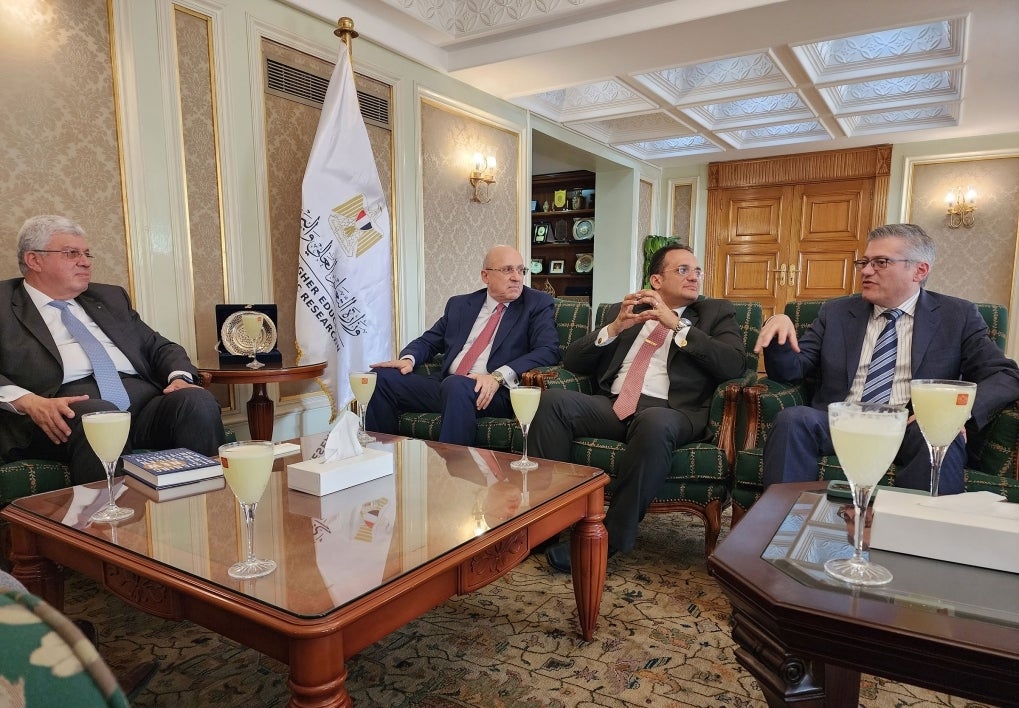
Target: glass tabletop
332, 549
816, 529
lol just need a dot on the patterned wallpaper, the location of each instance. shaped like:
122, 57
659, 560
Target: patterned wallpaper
60, 148
289, 130
457, 231
644, 209
201, 161
976, 263
681, 217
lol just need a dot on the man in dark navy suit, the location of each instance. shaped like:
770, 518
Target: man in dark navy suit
47, 380
938, 337
488, 338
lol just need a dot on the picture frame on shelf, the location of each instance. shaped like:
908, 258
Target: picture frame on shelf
556, 267
541, 231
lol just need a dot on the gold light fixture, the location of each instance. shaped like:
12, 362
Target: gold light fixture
482, 178
961, 205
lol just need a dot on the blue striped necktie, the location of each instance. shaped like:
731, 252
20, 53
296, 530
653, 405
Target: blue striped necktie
878, 386
111, 388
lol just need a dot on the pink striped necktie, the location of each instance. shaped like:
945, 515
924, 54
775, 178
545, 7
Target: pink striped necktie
629, 394
481, 342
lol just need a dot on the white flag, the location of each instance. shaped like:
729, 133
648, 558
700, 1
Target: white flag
344, 273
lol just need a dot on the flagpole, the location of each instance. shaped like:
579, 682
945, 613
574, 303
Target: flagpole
345, 31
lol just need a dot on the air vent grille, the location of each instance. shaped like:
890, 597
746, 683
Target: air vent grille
304, 87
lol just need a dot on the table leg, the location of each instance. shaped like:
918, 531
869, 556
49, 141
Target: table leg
318, 675
787, 678
260, 413
589, 549
38, 574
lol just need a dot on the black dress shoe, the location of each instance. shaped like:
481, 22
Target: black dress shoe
558, 557
89, 630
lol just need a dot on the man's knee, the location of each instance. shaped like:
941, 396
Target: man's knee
660, 425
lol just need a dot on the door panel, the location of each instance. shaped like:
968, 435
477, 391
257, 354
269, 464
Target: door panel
745, 265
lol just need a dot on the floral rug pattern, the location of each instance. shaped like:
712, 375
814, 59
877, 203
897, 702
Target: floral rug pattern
662, 639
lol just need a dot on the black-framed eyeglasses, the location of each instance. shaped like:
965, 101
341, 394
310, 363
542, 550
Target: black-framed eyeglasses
71, 254
687, 270
510, 270
879, 263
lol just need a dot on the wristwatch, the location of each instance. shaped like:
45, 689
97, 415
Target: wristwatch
187, 378
497, 375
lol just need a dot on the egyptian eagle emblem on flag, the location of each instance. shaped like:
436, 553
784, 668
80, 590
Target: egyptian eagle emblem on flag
351, 222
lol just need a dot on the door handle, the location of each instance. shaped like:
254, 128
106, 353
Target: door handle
794, 276
781, 273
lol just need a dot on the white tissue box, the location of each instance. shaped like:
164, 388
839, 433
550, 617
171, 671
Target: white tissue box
975, 528
321, 478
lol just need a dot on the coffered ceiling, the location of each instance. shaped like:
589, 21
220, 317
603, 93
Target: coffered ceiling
670, 81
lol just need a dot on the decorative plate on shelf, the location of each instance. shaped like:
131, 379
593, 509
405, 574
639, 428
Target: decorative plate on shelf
236, 340
536, 265
583, 229
585, 262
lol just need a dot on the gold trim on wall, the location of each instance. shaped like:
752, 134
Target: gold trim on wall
119, 128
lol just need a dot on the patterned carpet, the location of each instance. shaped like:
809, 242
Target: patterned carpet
662, 639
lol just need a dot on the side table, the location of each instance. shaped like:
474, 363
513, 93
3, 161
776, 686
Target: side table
261, 410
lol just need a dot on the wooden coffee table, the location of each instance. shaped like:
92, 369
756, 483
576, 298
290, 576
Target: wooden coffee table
351, 567
806, 638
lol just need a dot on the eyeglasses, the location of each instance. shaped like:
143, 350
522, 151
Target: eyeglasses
71, 254
687, 270
879, 263
510, 270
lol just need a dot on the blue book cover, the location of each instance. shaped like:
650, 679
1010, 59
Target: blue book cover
163, 468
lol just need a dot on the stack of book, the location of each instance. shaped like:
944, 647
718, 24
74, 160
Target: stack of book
172, 474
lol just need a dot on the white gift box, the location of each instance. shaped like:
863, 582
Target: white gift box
321, 478
974, 528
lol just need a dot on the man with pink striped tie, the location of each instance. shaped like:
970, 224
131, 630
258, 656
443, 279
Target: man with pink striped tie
487, 339
656, 366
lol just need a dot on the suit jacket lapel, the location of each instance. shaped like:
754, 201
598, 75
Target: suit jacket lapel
113, 328
27, 313
853, 333
510, 318
926, 321
467, 316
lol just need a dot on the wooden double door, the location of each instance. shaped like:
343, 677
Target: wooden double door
796, 238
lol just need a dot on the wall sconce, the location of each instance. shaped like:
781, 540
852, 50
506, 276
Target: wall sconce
961, 206
482, 178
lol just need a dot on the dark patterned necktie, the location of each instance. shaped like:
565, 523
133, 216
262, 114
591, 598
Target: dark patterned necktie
878, 386
111, 388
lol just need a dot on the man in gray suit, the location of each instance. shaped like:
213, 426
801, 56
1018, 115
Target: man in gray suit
656, 366
938, 337
47, 380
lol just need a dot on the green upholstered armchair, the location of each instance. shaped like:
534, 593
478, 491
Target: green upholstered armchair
46, 659
573, 321
700, 477
994, 453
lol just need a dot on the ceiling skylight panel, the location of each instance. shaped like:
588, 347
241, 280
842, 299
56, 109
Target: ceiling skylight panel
776, 135
718, 80
942, 116
915, 48
783, 107
672, 147
895, 92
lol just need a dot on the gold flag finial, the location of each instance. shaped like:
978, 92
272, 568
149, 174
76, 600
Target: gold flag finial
345, 31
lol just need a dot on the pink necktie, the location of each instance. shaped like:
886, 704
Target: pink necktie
481, 342
629, 394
